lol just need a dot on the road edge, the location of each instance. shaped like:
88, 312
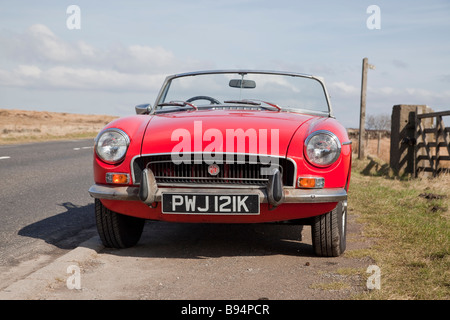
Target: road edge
56, 271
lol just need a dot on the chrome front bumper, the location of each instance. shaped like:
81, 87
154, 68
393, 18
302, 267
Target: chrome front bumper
291, 195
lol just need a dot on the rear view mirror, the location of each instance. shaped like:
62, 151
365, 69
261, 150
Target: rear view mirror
242, 84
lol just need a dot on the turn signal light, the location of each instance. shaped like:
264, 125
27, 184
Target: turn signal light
117, 178
311, 182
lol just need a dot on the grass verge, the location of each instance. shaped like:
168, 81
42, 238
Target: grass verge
47, 137
409, 221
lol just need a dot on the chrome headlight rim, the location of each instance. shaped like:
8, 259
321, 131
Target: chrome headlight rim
334, 138
114, 131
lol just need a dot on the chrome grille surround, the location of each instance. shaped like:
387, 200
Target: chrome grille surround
235, 170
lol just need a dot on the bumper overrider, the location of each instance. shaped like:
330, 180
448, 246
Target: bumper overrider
274, 194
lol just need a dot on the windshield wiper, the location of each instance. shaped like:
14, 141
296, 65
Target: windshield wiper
271, 104
254, 102
177, 104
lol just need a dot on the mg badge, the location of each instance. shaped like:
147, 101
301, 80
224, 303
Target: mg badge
213, 169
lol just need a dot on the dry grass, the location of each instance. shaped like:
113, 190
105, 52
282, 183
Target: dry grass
331, 286
410, 222
18, 126
379, 148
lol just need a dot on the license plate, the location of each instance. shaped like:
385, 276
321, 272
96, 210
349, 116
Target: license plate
230, 204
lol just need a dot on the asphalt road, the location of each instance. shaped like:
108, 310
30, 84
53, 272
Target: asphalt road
47, 225
45, 209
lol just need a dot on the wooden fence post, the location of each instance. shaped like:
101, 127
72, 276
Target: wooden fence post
403, 138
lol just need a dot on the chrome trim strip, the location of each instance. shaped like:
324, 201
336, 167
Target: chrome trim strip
347, 143
213, 178
123, 133
291, 195
281, 73
211, 186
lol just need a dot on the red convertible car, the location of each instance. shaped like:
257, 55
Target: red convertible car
226, 146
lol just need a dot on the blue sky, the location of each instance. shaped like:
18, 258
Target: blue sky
125, 49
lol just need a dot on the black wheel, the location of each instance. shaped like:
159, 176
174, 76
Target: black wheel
117, 230
329, 232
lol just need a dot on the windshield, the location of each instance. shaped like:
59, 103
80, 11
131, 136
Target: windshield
286, 91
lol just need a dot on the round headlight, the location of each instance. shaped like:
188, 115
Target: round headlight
322, 148
111, 145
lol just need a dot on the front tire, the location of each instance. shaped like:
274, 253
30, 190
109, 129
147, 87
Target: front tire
117, 230
329, 232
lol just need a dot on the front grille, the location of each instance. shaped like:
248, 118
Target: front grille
234, 170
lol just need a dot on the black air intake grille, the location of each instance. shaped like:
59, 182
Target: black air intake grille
233, 170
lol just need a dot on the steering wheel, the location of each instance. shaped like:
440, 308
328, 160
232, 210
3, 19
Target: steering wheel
210, 99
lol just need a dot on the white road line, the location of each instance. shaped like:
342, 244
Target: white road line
83, 148
4, 158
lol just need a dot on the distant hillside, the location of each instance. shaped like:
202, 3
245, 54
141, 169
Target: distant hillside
26, 126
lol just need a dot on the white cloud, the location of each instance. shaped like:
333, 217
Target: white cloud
41, 59
38, 44
48, 46
61, 77
29, 71
345, 90
140, 59
417, 94
345, 99
342, 88
87, 50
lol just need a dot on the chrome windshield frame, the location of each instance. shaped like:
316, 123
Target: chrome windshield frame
166, 84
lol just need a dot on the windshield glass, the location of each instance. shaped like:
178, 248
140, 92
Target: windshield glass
286, 91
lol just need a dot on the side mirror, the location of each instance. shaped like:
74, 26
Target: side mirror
143, 108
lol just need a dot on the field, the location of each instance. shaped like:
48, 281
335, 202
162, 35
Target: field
406, 221
18, 126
